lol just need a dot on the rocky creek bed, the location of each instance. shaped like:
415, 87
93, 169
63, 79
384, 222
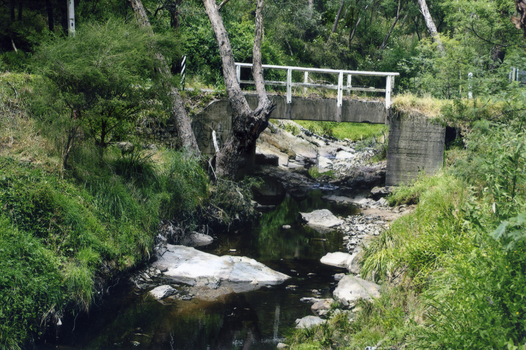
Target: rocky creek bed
244, 288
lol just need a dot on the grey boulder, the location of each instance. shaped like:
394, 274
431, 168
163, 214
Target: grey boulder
351, 288
321, 220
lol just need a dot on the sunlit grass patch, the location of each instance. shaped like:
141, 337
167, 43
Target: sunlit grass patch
351, 131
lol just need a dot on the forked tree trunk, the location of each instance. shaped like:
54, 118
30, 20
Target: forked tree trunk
177, 111
247, 124
431, 25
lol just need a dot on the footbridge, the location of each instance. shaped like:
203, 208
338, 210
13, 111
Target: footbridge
415, 143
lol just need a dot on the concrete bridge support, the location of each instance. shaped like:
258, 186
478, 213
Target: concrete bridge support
416, 144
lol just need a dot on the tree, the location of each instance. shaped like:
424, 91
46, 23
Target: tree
103, 76
431, 25
177, 111
247, 124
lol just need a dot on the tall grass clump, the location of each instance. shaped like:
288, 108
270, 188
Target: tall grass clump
416, 244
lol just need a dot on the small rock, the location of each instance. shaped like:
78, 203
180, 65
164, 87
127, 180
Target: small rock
282, 346
322, 307
345, 155
338, 259
383, 202
162, 292
339, 276
309, 322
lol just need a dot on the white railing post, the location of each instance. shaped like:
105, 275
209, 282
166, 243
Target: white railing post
289, 85
305, 81
340, 89
388, 87
349, 79
238, 72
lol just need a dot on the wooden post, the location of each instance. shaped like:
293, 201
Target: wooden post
238, 73
340, 88
349, 80
388, 92
289, 85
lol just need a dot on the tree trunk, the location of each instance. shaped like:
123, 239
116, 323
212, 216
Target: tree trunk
246, 124
20, 8
12, 10
338, 15
351, 36
311, 7
384, 43
431, 25
50, 18
178, 113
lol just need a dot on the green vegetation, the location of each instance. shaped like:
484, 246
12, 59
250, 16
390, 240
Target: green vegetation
352, 131
76, 210
453, 267
61, 232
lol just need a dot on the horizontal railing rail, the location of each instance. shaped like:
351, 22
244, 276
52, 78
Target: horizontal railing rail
389, 84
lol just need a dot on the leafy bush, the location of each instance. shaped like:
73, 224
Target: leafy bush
56, 234
102, 77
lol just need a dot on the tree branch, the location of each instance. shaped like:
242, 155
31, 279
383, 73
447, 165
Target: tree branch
223, 3
235, 95
257, 69
384, 43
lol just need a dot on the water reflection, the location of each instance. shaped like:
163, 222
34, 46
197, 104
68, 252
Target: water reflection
255, 320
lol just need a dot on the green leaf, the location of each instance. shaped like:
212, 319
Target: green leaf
500, 230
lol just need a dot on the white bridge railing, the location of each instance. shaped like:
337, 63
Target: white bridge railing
389, 84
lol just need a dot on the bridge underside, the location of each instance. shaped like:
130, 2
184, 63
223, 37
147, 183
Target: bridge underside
326, 109
415, 143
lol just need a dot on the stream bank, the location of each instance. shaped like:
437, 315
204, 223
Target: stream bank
190, 317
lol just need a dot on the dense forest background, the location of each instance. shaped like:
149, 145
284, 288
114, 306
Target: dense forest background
373, 35
78, 211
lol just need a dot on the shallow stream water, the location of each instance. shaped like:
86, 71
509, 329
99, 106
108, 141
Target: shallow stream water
128, 319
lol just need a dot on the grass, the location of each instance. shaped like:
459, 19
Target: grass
351, 131
63, 230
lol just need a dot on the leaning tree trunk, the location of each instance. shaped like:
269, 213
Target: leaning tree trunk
177, 112
246, 123
338, 15
431, 25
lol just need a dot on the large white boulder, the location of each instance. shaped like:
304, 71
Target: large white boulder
351, 288
338, 259
190, 266
321, 220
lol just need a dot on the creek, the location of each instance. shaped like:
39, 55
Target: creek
128, 319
